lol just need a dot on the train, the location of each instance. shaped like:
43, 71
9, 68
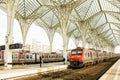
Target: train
80, 57
26, 57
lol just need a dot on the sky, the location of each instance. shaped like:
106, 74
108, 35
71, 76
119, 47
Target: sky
33, 33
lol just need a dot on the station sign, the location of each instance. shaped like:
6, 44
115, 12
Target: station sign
16, 46
2, 47
12, 46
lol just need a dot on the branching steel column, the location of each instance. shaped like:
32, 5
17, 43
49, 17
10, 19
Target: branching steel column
65, 44
50, 33
11, 8
64, 9
93, 38
24, 25
84, 30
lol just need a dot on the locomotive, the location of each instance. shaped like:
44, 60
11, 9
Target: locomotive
81, 56
20, 57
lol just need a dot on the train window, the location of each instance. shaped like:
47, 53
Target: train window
88, 54
97, 54
12, 56
30, 56
16, 57
27, 56
21, 56
76, 52
0, 56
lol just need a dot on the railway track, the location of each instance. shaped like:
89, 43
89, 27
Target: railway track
92, 72
107, 67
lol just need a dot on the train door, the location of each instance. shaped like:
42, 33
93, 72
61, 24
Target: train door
1, 55
21, 56
87, 55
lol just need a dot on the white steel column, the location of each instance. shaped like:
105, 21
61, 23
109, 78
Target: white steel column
93, 39
11, 7
24, 25
64, 10
84, 32
50, 33
65, 44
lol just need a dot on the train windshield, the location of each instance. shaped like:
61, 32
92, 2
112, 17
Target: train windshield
76, 52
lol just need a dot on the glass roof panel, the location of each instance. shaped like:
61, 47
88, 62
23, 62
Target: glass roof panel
26, 7
117, 36
55, 21
108, 34
100, 28
47, 19
101, 21
106, 28
2, 1
106, 6
94, 20
111, 38
114, 27
112, 19
71, 27
83, 8
76, 33
50, 19
45, 2
94, 8
115, 2
115, 43
114, 15
117, 25
115, 32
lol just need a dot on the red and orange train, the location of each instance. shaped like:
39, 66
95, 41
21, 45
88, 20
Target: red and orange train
81, 56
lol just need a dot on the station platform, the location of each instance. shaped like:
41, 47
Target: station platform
25, 70
113, 73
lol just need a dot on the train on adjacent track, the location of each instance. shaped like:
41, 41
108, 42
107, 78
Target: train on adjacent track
24, 57
79, 57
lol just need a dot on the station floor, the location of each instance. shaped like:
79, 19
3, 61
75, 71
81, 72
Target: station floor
24, 70
113, 73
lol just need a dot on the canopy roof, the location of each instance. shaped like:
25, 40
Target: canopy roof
102, 17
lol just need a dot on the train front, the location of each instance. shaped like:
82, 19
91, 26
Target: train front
77, 57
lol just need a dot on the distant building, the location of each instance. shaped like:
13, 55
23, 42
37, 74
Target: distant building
38, 46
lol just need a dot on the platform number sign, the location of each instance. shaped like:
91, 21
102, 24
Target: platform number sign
2, 47
15, 46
